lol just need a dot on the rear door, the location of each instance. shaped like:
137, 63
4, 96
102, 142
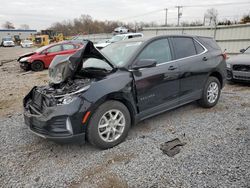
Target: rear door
192, 57
157, 87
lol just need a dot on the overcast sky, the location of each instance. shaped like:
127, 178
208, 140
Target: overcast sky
40, 14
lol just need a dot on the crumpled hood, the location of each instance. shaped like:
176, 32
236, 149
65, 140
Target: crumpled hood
239, 59
65, 66
25, 55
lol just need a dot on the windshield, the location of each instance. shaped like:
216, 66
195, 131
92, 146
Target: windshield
7, 39
41, 49
119, 53
116, 38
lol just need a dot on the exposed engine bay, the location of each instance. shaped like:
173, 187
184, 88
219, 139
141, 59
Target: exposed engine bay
68, 79
67, 88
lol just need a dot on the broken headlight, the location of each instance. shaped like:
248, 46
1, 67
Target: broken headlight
68, 98
25, 59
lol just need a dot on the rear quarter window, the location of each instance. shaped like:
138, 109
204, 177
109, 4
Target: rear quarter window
199, 48
210, 43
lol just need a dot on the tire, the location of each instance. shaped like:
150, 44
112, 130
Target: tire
100, 130
37, 66
212, 86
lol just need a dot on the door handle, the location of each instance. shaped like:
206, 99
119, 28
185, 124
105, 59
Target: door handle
204, 59
172, 68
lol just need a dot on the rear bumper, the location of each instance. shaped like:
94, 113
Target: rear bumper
238, 75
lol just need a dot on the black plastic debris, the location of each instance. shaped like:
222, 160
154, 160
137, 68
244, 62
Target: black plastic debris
172, 147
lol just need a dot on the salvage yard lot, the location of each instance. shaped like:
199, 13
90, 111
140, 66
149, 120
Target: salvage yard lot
216, 154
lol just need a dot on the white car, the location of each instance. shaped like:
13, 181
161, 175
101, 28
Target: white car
26, 44
7, 42
117, 38
121, 30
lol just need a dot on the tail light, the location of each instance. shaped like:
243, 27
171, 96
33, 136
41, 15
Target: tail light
224, 55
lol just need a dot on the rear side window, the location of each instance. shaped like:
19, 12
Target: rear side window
184, 47
158, 50
210, 43
68, 47
199, 48
56, 48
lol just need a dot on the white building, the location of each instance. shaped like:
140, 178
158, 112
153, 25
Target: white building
23, 34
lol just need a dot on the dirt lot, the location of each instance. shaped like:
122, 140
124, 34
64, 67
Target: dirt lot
216, 154
15, 82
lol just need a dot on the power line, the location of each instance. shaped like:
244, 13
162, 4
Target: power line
184, 6
217, 4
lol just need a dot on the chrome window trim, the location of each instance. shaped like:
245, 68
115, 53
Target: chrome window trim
205, 50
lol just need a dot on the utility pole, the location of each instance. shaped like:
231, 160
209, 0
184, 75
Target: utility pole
166, 18
179, 14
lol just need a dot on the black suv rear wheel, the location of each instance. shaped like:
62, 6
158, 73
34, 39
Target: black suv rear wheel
211, 93
109, 125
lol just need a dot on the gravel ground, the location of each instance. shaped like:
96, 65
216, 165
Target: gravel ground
15, 83
217, 153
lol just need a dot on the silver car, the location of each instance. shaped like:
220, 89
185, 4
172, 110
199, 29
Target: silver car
238, 67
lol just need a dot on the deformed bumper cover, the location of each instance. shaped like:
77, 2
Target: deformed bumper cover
24, 65
61, 123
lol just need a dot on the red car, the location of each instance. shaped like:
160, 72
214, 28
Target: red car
42, 57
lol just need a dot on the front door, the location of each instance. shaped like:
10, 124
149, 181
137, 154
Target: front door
157, 87
51, 53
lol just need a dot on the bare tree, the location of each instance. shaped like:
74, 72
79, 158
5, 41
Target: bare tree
8, 25
212, 15
245, 19
24, 26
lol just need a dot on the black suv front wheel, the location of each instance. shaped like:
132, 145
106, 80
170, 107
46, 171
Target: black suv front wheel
109, 125
211, 93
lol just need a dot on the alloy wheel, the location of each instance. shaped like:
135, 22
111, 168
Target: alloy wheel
111, 125
212, 92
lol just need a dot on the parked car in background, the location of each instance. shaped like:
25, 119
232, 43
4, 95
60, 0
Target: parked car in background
121, 30
26, 44
100, 94
7, 42
238, 67
117, 38
42, 57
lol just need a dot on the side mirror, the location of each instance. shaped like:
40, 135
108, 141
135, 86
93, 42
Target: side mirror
242, 50
144, 63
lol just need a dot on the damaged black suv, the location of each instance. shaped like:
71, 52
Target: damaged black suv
98, 95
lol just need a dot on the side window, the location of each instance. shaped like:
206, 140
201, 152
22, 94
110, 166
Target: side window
56, 48
158, 50
68, 47
199, 48
184, 47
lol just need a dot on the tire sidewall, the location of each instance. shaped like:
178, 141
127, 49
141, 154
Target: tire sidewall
209, 81
92, 129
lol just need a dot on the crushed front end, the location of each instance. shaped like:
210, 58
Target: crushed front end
51, 113
56, 111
